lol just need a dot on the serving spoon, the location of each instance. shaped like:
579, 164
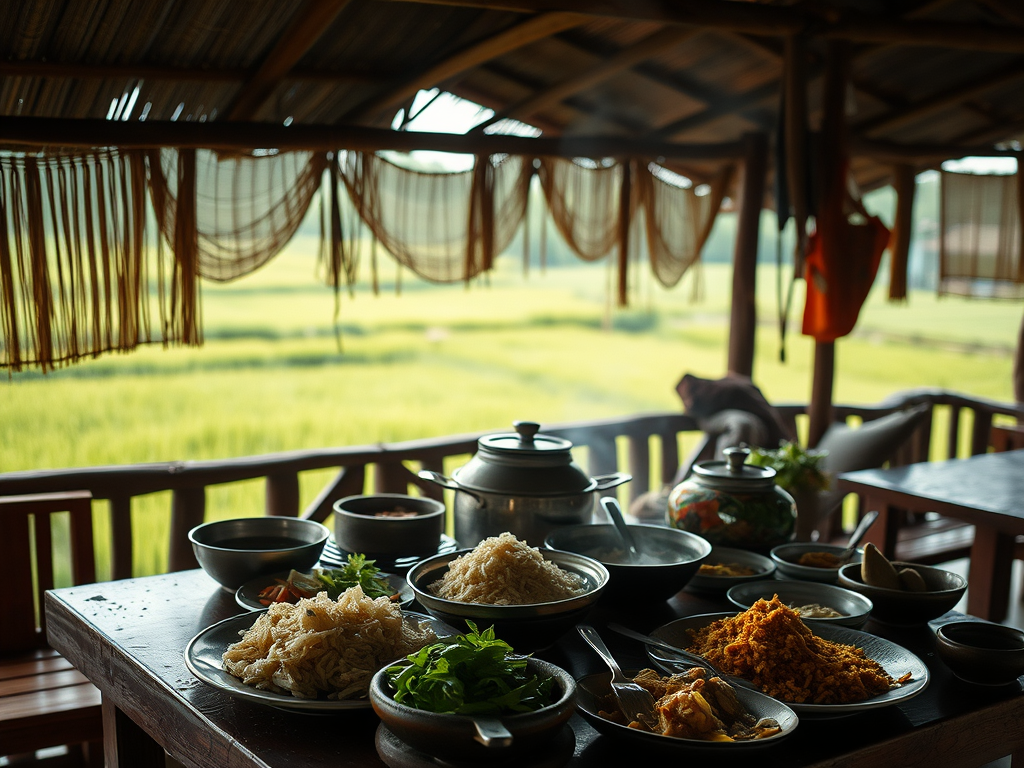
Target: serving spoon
693, 658
611, 506
855, 537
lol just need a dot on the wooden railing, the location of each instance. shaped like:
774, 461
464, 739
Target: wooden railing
392, 465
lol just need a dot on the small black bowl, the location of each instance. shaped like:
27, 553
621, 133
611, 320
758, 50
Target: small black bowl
669, 557
385, 526
981, 653
902, 607
449, 737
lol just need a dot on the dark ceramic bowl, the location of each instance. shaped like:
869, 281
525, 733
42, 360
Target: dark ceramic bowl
762, 567
526, 628
786, 557
905, 608
855, 608
458, 737
368, 524
669, 557
981, 653
236, 551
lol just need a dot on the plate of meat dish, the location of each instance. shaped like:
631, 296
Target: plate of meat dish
697, 714
827, 671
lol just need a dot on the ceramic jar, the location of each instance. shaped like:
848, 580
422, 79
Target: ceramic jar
733, 504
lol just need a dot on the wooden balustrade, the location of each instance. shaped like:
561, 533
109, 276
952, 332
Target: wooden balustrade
393, 465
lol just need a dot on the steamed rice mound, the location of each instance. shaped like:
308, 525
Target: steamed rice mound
502, 570
321, 646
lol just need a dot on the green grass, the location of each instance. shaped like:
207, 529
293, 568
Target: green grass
439, 360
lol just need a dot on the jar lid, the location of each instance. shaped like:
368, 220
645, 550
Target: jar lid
524, 463
734, 473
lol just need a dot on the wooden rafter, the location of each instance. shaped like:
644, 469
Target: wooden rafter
523, 33
719, 109
225, 135
647, 48
952, 96
759, 19
305, 29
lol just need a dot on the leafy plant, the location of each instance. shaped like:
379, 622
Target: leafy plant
359, 571
471, 674
795, 467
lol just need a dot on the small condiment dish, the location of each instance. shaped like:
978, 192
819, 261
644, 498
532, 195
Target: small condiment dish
903, 607
981, 653
235, 551
761, 567
385, 526
787, 559
854, 608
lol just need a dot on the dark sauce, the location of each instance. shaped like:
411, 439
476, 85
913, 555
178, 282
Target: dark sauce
259, 542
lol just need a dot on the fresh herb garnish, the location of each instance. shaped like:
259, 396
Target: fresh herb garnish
359, 571
471, 674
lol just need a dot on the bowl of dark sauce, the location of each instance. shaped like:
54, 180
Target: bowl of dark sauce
235, 551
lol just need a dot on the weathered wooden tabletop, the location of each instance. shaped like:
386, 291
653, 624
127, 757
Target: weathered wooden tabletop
128, 637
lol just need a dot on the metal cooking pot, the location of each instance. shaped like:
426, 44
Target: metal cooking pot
522, 482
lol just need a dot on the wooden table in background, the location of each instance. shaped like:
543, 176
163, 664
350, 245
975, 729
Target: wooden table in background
128, 638
985, 490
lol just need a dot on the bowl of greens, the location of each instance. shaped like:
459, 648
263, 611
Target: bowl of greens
472, 698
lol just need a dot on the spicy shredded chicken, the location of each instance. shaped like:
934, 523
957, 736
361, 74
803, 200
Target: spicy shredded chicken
769, 645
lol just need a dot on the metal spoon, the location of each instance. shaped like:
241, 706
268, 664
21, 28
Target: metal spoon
689, 656
857, 535
611, 506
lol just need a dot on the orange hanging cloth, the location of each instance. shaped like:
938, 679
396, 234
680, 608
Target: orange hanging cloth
841, 264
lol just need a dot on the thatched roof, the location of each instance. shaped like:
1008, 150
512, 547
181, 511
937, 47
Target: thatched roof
936, 76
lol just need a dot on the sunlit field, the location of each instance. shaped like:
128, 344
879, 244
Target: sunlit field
278, 372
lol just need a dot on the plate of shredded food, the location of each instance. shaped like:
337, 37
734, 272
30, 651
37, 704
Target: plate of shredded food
830, 671
318, 654
696, 713
291, 586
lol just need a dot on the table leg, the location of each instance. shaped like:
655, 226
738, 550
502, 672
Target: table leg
125, 744
886, 528
989, 575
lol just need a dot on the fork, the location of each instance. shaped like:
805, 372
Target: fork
635, 701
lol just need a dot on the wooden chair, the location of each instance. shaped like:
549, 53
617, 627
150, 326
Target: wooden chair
44, 701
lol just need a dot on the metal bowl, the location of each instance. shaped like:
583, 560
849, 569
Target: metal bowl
981, 653
855, 607
786, 557
526, 628
235, 551
763, 568
461, 738
360, 525
904, 608
669, 557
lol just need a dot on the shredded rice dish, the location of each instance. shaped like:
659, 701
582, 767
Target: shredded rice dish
321, 646
503, 570
769, 645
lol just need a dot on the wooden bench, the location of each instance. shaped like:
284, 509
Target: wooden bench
44, 701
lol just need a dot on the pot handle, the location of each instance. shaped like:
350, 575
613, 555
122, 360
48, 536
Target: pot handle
446, 482
491, 732
604, 482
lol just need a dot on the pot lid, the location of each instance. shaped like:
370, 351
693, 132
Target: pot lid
735, 470
524, 463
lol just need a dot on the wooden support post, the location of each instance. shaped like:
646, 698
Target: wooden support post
743, 318
283, 494
1018, 366
121, 537
188, 509
833, 168
905, 183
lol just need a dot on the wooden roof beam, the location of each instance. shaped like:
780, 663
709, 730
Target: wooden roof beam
950, 97
759, 19
234, 136
304, 30
663, 39
517, 36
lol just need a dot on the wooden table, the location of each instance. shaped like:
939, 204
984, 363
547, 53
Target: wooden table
985, 490
128, 638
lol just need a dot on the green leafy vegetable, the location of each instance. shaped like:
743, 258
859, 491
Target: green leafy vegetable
795, 467
359, 571
471, 674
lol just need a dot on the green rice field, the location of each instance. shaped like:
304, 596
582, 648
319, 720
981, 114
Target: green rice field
278, 372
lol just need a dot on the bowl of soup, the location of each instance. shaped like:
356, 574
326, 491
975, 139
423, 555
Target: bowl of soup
235, 551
